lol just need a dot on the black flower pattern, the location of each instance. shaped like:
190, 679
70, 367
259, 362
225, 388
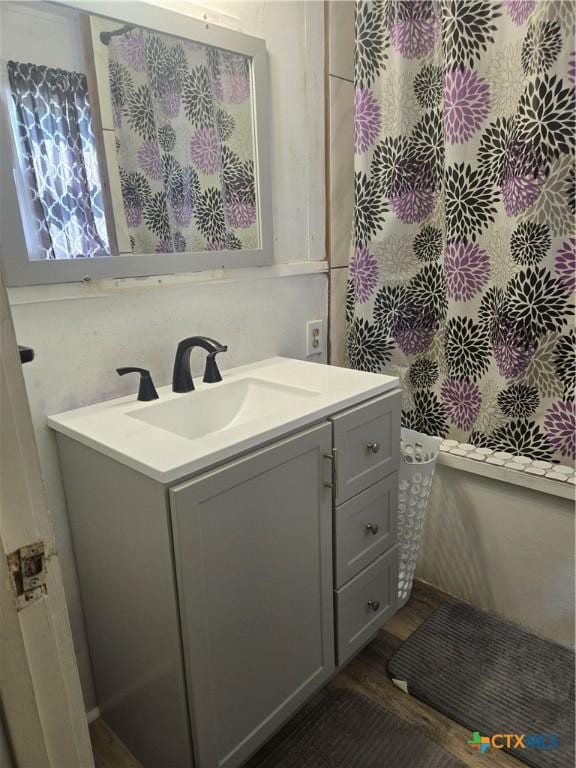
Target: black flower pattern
564, 358
570, 189
428, 290
522, 438
177, 69
135, 190
167, 137
470, 201
542, 44
238, 178
393, 168
121, 85
423, 373
197, 97
391, 307
210, 215
427, 146
519, 401
467, 29
156, 216
140, 115
492, 306
429, 86
546, 116
233, 242
369, 209
157, 63
428, 244
427, 416
530, 242
225, 124
179, 242
465, 348
535, 297
350, 301
370, 42
496, 146
368, 348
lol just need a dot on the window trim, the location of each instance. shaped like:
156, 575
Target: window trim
20, 270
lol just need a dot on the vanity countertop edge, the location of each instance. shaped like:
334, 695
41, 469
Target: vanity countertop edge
167, 457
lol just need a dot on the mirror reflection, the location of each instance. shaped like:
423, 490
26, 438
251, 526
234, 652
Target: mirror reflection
141, 142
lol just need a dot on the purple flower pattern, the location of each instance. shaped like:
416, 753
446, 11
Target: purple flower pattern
566, 263
413, 38
466, 269
205, 150
466, 104
414, 205
462, 401
367, 119
519, 10
364, 273
560, 427
240, 215
150, 160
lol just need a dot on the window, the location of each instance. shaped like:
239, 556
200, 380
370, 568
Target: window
52, 122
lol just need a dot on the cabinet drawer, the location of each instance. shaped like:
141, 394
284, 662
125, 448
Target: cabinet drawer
367, 443
364, 528
365, 603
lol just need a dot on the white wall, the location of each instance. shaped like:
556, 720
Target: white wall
506, 549
340, 33
81, 333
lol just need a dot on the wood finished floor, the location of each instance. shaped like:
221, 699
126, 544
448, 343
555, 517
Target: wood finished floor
366, 674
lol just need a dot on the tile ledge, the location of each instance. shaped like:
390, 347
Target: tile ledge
563, 489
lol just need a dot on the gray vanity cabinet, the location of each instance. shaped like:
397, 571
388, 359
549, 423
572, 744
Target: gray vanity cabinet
218, 603
252, 545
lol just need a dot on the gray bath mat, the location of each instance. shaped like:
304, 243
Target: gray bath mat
344, 729
493, 677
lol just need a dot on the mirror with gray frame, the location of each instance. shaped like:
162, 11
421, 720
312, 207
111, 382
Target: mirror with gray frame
132, 145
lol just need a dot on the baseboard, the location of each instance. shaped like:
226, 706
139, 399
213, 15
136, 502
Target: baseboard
92, 714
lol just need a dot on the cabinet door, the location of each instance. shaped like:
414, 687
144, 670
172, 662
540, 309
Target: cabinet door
253, 551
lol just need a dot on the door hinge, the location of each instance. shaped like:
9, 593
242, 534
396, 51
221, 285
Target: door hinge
27, 568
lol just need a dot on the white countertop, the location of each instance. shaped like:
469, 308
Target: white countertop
113, 428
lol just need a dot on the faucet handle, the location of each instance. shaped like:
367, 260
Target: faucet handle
146, 390
211, 372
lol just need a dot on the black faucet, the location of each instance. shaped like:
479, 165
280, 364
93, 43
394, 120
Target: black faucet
182, 377
146, 390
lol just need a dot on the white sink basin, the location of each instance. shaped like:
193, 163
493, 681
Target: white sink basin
182, 434
224, 406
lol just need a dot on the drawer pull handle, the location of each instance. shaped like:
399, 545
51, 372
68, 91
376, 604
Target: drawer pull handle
373, 528
373, 447
374, 604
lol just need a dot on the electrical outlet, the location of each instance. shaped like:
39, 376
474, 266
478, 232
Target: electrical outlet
314, 338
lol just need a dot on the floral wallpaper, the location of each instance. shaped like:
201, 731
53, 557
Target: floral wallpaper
183, 122
463, 273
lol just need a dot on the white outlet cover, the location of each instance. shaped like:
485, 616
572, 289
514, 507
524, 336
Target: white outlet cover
314, 338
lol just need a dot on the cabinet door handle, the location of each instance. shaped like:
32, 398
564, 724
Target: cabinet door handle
374, 604
333, 456
373, 528
373, 447
336, 472
329, 457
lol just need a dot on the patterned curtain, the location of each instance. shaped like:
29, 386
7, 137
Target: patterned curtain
59, 161
183, 119
463, 273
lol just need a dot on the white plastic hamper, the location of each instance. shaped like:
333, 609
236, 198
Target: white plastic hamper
417, 463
